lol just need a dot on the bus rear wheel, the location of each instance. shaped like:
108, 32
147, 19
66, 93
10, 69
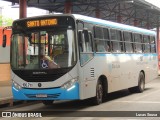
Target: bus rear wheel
141, 84
47, 102
99, 94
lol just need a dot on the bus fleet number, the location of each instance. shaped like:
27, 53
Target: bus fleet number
27, 85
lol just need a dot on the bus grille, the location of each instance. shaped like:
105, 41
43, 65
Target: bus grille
41, 78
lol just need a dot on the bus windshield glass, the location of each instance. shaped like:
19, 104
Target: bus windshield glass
43, 49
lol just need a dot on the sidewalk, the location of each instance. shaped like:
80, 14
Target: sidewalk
6, 93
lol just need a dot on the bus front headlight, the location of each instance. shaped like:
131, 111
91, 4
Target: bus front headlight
69, 84
16, 85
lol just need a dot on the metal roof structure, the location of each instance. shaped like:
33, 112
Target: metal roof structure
132, 12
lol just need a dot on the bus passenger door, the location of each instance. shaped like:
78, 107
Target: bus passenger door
86, 56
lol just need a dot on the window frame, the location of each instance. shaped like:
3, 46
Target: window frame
136, 43
128, 41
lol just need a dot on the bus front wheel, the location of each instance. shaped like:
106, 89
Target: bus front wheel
99, 94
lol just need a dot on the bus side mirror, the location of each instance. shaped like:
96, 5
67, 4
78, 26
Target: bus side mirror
86, 35
4, 40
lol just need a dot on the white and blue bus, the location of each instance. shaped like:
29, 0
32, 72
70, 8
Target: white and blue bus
75, 57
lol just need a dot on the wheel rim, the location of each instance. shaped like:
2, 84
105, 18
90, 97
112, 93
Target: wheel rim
142, 84
99, 93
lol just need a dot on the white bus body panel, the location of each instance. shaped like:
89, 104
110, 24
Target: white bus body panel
121, 70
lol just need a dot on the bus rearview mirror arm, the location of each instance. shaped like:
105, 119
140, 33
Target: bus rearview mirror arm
4, 40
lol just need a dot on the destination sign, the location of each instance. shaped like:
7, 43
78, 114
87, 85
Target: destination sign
41, 23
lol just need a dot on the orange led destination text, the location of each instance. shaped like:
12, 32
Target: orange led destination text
40, 23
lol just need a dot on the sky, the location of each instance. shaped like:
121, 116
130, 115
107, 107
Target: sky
9, 11
154, 2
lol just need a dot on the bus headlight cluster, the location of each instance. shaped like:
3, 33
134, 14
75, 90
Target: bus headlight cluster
69, 84
16, 85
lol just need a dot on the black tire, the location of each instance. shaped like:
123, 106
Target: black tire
47, 102
141, 84
98, 99
132, 90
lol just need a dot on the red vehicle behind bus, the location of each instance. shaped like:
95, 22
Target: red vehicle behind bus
5, 58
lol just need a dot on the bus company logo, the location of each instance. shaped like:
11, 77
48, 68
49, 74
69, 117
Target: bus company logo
6, 114
39, 85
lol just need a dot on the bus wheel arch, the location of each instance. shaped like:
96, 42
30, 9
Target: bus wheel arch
141, 83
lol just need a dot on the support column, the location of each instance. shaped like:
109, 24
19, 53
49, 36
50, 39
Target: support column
147, 26
23, 8
158, 46
119, 19
68, 7
135, 22
97, 13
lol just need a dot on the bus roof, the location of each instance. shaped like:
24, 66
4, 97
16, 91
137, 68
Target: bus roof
113, 24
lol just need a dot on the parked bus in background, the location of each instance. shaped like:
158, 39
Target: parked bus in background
75, 57
5, 71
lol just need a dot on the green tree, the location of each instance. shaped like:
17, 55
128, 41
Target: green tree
4, 21
0, 20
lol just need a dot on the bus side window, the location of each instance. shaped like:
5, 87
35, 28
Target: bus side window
119, 38
85, 41
91, 41
80, 37
115, 40
98, 37
152, 44
146, 46
102, 41
138, 43
85, 46
128, 42
108, 46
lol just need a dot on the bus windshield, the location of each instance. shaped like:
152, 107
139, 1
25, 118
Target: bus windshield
43, 49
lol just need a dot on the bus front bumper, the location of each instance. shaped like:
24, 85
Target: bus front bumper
47, 94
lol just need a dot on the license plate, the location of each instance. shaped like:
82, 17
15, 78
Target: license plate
41, 95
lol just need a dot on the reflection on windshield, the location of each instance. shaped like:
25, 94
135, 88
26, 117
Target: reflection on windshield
43, 49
